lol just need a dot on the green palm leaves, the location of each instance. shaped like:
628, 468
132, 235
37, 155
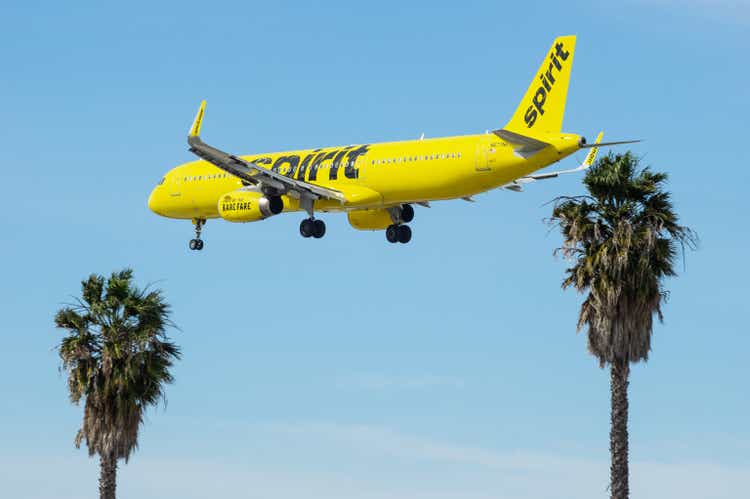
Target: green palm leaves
622, 239
117, 357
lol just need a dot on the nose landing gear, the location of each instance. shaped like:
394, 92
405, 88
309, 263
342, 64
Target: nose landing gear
197, 243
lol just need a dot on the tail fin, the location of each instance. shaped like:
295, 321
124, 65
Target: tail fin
542, 108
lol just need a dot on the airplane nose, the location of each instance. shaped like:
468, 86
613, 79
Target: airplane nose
153, 203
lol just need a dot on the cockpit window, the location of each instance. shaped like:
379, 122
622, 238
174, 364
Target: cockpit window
162, 180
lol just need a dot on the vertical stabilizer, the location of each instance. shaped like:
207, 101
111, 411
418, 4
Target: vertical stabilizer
542, 108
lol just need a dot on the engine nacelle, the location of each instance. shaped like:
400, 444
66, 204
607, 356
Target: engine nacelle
248, 206
370, 219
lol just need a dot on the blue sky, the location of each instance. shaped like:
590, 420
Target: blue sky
348, 367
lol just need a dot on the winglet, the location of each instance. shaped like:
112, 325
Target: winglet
591, 156
195, 130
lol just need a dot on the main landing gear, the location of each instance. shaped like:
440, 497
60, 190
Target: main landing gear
197, 243
311, 227
399, 232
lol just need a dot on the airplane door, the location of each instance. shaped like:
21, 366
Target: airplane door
175, 186
481, 164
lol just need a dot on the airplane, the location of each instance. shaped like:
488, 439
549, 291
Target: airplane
377, 185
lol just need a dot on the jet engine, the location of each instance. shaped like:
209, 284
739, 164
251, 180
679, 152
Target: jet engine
248, 206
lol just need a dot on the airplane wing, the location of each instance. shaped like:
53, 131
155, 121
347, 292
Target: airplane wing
252, 173
517, 184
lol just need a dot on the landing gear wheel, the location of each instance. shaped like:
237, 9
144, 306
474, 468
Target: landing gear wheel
197, 244
404, 234
307, 227
407, 213
319, 229
391, 233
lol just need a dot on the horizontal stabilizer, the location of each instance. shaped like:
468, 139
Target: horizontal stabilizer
523, 145
587, 146
517, 184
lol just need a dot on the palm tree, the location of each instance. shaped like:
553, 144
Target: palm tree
623, 240
117, 356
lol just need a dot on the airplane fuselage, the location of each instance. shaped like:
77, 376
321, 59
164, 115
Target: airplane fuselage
374, 175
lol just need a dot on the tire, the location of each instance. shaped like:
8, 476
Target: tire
192, 245
306, 228
199, 245
319, 229
404, 234
407, 213
391, 233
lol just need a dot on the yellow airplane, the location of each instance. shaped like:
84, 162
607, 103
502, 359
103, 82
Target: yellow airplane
378, 184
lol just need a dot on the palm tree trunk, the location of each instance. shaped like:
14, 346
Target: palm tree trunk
618, 433
108, 477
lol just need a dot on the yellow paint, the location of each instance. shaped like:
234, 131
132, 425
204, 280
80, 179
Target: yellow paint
542, 107
195, 130
392, 173
377, 219
591, 156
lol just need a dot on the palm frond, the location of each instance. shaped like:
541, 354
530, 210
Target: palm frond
621, 240
117, 356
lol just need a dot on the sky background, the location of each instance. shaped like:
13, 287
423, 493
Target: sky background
348, 367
